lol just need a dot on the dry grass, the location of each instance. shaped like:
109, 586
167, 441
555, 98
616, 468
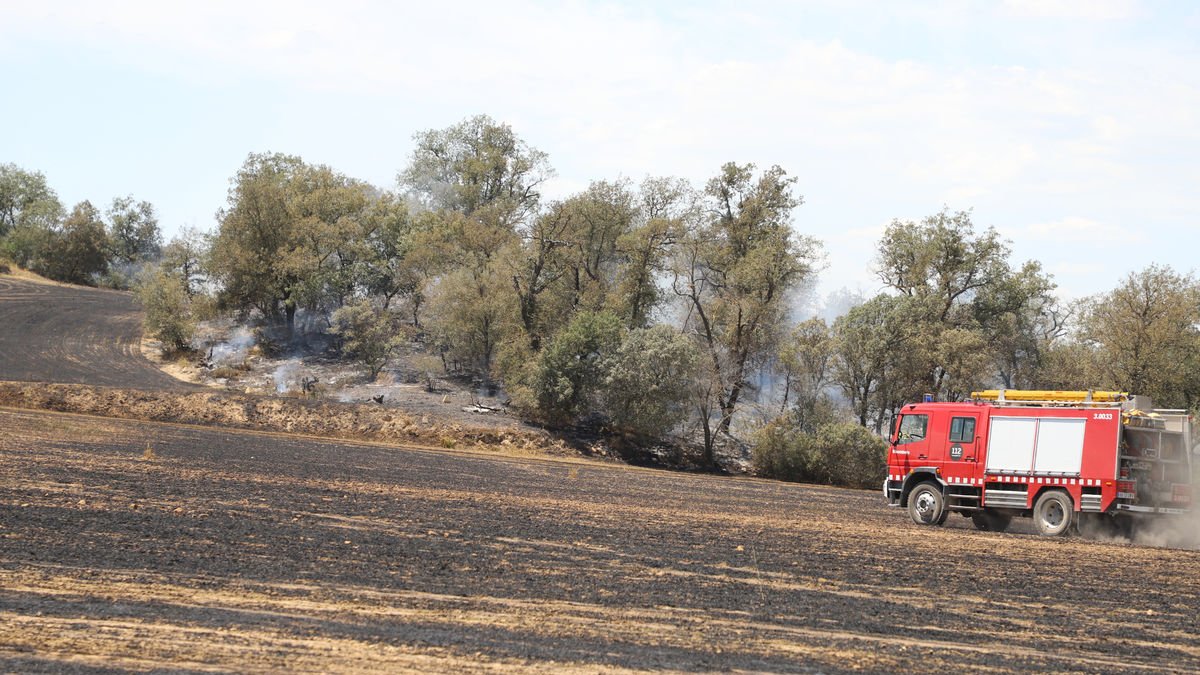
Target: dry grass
328, 419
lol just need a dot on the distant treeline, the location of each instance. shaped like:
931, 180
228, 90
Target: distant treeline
648, 310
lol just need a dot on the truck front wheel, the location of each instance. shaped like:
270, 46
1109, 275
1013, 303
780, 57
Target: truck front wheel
926, 506
1053, 514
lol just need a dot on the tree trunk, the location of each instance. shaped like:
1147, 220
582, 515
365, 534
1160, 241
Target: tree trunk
289, 309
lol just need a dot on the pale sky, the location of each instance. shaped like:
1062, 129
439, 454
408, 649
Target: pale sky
1071, 126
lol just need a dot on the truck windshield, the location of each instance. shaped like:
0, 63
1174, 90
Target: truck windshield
912, 428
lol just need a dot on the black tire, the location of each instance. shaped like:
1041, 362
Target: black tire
926, 505
990, 521
1053, 514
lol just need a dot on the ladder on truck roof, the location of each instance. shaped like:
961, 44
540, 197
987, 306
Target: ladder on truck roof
1051, 397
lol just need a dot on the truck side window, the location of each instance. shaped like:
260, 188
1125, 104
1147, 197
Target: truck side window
912, 428
962, 430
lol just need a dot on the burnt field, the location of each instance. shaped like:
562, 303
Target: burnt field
56, 333
135, 546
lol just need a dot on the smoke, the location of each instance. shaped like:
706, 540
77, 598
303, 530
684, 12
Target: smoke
286, 376
1182, 532
235, 349
1169, 532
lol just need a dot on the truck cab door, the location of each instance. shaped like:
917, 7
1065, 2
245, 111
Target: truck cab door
912, 442
961, 445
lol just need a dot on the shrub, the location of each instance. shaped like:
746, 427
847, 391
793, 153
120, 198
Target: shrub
841, 453
369, 335
649, 379
168, 315
574, 364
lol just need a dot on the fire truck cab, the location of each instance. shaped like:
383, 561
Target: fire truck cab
1097, 459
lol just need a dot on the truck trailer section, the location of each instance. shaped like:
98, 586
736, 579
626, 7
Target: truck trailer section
1066, 459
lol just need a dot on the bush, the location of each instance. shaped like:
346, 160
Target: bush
573, 366
168, 316
369, 335
649, 380
841, 453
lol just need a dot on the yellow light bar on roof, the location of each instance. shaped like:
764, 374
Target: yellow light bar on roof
1050, 395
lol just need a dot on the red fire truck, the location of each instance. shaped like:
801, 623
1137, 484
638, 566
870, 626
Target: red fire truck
1066, 459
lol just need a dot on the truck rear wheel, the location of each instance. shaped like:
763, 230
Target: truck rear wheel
926, 506
990, 521
1053, 514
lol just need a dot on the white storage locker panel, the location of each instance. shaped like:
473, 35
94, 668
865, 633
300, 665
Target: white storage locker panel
1010, 444
1059, 446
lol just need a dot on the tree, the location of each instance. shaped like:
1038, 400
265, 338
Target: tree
649, 381
477, 167
289, 237
468, 305
483, 182
879, 361
26, 201
975, 319
255, 231
1020, 318
79, 250
734, 274
941, 259
667, 209
329, 220
599, 217
806, 362
369, 335
390, 267
133, 231
183, 257
1146, 333
534, 266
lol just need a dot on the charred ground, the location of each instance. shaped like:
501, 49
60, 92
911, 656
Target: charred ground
232, 549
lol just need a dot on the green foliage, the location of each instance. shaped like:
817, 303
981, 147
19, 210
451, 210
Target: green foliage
841, 453
289, 238
133, 231
477, 165
649, 380
26, 245
369, 335
167, 309
573, 367
963, 319
734, 273
1146, 336
184, 257
79, 251
806, 363
26, 202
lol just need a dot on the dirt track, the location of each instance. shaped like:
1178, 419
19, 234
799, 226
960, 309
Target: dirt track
131, 546
58, 333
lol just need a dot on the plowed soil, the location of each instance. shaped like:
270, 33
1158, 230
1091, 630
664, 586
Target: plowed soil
143, 546
235, 550
58, 333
